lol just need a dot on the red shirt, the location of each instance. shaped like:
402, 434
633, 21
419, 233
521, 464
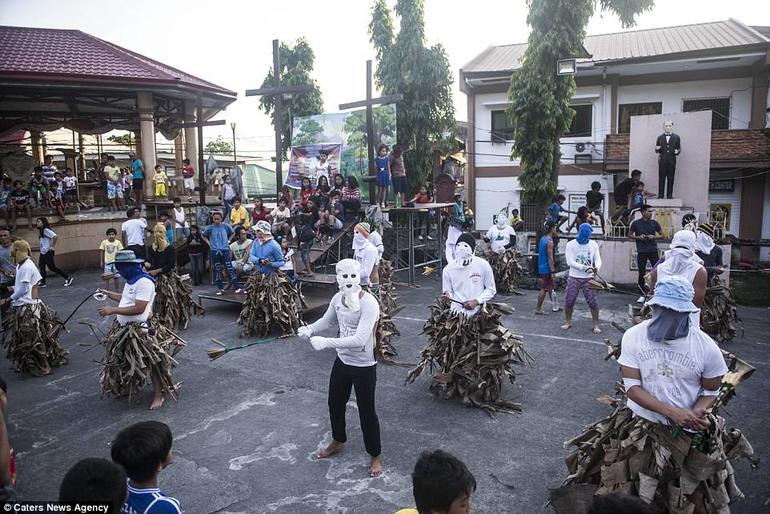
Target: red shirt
263, 215
188, 172
421, 198
305, 194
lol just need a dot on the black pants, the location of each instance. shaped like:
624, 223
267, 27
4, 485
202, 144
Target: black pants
47, 260
666, 169
344, 377
139, 250
642, 258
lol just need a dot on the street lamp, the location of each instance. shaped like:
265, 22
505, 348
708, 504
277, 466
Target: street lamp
566, 66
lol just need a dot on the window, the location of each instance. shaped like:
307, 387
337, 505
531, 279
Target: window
502, 130
581, 122
719, 107
627, 110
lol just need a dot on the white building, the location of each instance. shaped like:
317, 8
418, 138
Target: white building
722, 66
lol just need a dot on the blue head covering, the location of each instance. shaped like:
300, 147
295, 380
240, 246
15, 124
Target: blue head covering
132, 271
584, 233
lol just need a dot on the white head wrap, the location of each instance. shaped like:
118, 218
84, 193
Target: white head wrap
349, 281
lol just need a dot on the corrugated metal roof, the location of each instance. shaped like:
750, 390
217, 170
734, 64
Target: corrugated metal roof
634, 44
57, 52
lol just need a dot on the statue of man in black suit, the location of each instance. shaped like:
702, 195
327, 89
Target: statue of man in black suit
668, 146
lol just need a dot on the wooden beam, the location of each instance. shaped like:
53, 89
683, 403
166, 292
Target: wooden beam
285, 90
195, 124
388, 99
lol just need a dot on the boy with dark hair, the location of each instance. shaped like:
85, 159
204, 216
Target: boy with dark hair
107, 250
441, 484
622, 192
594, 201
38, 186
188, 178
56, 196
546, 267
95, 480
144, 449
555, 211
70, 187
19, 199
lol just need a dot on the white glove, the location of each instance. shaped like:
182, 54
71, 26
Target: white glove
501, 250
304, 332
318, 343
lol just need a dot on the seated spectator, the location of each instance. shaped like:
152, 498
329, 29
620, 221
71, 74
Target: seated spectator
322, 191
339, 183
327, 223
38, 187
441, 484
582, 216
351, 196
555, 211
306, 191
280, 218
240, 250
95, 480
143, 450
287, 196
260, 212
516, 222
239, 216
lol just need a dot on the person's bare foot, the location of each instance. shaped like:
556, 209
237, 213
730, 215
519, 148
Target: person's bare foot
597, 330
375, 468
539, 312
157, 403
566, 326
330, 450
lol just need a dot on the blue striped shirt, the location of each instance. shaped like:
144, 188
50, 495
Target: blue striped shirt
150, 501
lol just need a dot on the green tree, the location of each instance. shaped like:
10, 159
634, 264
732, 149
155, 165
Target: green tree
308, 132
296, 68
126, 139
406, 65
219, 147
540, 109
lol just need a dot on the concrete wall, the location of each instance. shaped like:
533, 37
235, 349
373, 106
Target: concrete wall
693, 164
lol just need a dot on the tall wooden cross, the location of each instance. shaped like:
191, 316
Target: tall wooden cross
277, 91
369, 103
199, 124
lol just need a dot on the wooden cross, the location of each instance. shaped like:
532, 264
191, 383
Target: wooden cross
277, 91
369, 103
199, 124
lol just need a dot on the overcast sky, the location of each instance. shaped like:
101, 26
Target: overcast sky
228, 42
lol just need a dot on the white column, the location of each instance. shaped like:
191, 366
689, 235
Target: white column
191, 135
147, 138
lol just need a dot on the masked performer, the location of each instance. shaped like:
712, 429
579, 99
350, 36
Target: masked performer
137, 348
467, 342
367, 256
502, 253
30, 330
355, 312
173, 295
666, 445
272, 299
719, 314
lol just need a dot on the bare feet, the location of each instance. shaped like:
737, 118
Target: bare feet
330, 450
597, 330
566, 326
539, 312
375, 468
157, 403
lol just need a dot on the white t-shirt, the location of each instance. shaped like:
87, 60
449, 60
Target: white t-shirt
134, 229
280, 214
27, 274
367, 257
355, 344
179, 217
288, 264
321, 170
671, 371
376, 239
579, 256
472, 282
70, 183
499, 238
142, 289
46, 240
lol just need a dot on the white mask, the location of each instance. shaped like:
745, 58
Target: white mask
359, 241
463, 254
500, 223
349, 282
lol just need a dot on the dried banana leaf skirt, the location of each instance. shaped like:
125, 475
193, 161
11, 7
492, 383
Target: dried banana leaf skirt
719, 315
628, 454
30, 335
272, 301
470, 357
174, 305
132, 355
505, 268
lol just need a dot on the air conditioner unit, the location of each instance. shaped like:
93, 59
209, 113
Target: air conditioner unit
580, 147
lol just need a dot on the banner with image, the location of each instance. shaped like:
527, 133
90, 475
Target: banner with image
308, 161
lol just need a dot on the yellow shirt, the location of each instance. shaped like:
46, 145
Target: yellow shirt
110, 249
160, 177
407, 511
240, 216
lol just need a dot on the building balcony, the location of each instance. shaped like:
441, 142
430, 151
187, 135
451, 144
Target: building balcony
729, 148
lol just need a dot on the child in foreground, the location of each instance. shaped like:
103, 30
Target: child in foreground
108, 249
144, 450
441, 484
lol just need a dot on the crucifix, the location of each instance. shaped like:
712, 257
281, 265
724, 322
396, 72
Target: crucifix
199, 124
277, 91
369, 103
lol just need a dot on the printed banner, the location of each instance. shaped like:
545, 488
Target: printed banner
313, 161
347, 129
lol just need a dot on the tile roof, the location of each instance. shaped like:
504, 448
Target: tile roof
57, 53
635, 44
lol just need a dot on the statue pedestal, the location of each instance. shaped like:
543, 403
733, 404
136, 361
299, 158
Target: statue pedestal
671, 203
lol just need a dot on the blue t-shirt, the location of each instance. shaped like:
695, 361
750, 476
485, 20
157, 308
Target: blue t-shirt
218, 236
150, 501
381, 163
4, 194
136, 169
458, 212
271, 251
543, 266
554, 211
638, 200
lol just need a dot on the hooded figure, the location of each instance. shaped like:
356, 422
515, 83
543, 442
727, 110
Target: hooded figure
27, 275
584, 260
366, 254
265, 254
681, 261
584, 233
501, 236
671, 307
468, 281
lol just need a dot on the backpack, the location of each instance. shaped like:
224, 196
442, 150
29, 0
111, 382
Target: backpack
305, 233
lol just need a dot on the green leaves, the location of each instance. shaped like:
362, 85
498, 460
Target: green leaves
540, 100
296, 68
406, 65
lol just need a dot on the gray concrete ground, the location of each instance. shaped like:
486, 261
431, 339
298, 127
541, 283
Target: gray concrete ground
247, 425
